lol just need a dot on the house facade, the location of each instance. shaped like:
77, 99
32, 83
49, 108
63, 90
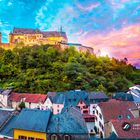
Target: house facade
112, 110
30, 100
4, 95
35, 127
68, 125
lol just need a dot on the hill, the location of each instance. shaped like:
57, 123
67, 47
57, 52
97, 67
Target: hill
40, 69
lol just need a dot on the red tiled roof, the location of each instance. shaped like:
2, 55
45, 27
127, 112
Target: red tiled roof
29, 97
114, 108
134, 132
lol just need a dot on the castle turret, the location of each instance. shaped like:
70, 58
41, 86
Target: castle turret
10, 38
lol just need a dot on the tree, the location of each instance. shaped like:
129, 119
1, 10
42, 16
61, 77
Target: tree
22, 105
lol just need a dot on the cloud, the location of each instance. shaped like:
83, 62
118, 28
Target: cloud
89, 7
118, 43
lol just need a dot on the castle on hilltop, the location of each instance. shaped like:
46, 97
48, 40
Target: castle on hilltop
31, 37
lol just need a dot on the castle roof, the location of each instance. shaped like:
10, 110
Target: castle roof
25, 31
17, 31
54, 33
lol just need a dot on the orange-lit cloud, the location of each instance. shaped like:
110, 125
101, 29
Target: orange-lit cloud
118, 43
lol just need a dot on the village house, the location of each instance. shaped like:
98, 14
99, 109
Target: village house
69, 125
6, 118
4, 95
59, 101
49, 100
135, 92
31, 124
94, 99
30, 100
126, 129
113, 110
35, 124
123, 96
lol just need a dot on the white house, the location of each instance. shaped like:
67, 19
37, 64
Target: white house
58, 103
4, 98
30, 100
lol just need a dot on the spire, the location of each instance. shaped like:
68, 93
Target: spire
61, 29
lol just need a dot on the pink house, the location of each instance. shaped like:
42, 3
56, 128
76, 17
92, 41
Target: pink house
83, 107
58, 103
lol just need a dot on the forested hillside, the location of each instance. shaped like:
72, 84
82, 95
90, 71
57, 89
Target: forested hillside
40, 69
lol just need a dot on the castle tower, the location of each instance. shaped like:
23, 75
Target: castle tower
0, 37
10, 38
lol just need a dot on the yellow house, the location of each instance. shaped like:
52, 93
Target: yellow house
31, 124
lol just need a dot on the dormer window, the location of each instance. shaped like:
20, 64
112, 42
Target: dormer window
128, 117
120, 117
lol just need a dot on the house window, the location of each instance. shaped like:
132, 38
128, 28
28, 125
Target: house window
30, 138
85, 112
100, 124
58, 110
57, 105
120, 117
85, 107
81, 102
100, 116
91, 130
97, 112
93, 112
22, 138
54, 137
67, 137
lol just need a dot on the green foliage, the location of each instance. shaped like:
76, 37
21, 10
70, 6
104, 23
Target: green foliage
22, 105
40, 69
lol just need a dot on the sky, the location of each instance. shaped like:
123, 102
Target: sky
112, 26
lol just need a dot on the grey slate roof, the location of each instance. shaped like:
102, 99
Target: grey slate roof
7, 130
33, 119
123, 96
97, 95
1, 90
54, 33
69, 122
74, 96
6, 92
4, 115
59, 99
25, 31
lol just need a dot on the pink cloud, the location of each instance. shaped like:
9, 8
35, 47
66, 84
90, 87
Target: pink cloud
117, 43
88, 7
